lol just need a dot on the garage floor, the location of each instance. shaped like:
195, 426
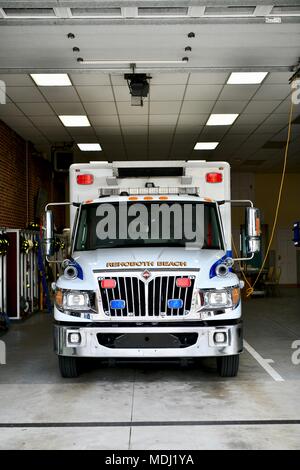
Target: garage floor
156, 406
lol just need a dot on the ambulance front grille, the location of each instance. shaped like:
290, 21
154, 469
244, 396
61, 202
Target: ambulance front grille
146, 299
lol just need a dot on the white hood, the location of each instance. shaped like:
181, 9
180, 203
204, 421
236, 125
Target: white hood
179, 258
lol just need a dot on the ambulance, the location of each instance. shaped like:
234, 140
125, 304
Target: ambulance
150, 267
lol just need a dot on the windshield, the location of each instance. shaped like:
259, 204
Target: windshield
148, 224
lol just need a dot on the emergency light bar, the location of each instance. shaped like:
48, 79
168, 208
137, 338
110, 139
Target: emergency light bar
105, 191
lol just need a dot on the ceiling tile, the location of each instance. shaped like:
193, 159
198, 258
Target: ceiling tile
277, 119
90, 78
193, 119
17, 121
242, 129
163, 119
60, 93
95, 93
16, 79
208, 78
100, 107
134, 130
55, 132
238, 92
197, 107
256, 107
286, 106
24, 94
169, 78
42, 121
9, 109
134, 120
122, 93
278, 78
157, 130
81, 131
165, 107
223, 107
107, 131
251, 118
126, 108
36, 109
272, 92
68, 108
104, 120
188, 129
202, 92
166, 92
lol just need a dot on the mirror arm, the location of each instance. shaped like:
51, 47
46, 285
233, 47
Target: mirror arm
244, 259
241, 202
51, 204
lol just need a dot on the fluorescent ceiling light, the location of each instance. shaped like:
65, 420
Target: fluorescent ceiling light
51, 79
75, 121
128, 61
89, 147
245, 78
221, 119
206, 145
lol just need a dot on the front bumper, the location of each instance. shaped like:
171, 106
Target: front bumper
204, 344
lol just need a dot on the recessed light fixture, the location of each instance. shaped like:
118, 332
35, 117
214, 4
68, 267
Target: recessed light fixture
221, 119
206, 145
246, 78
90, 147
75, 121
51, 79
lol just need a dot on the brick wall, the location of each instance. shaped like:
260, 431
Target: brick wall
19, 182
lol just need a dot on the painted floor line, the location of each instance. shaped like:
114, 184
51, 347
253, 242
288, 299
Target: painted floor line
264, 363
116, 424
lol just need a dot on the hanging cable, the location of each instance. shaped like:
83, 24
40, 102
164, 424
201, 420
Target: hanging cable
250, 288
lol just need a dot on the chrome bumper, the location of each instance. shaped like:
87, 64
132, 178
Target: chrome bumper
204, 346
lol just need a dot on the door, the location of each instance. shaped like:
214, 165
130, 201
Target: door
286, 257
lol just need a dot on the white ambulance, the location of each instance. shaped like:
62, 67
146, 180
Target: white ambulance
150, 268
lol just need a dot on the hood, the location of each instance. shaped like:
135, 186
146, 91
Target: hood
123, 259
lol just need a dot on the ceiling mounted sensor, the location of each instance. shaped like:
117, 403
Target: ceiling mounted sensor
138, 85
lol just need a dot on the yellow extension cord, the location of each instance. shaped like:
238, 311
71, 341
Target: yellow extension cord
250, 288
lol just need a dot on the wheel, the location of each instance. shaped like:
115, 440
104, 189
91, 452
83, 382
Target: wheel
68, 366
228, 366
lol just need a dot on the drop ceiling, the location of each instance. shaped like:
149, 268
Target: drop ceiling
182, 96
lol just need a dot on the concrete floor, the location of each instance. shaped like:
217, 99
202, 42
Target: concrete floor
156, 406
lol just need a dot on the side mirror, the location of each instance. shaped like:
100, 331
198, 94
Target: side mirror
253, 232
49, 233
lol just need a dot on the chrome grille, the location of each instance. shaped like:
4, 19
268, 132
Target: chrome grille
146, 298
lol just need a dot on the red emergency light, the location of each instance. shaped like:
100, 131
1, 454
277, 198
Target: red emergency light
214, 177
85, 179
108, 283
183, 282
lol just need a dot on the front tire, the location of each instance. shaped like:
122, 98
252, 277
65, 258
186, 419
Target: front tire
228, 366
68, 367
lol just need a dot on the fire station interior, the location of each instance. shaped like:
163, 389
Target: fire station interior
222, 83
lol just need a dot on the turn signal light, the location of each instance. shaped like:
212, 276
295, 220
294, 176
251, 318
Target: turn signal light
214, 177
85, 179
183, 282
108, 283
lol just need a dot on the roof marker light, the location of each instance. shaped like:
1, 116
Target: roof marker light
214, 177
85, 179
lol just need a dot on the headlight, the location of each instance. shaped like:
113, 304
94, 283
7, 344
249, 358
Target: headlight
216, 299
74, 300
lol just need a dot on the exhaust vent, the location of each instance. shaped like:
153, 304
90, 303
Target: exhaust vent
29, 12
96, 12
230, 11
161, 11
